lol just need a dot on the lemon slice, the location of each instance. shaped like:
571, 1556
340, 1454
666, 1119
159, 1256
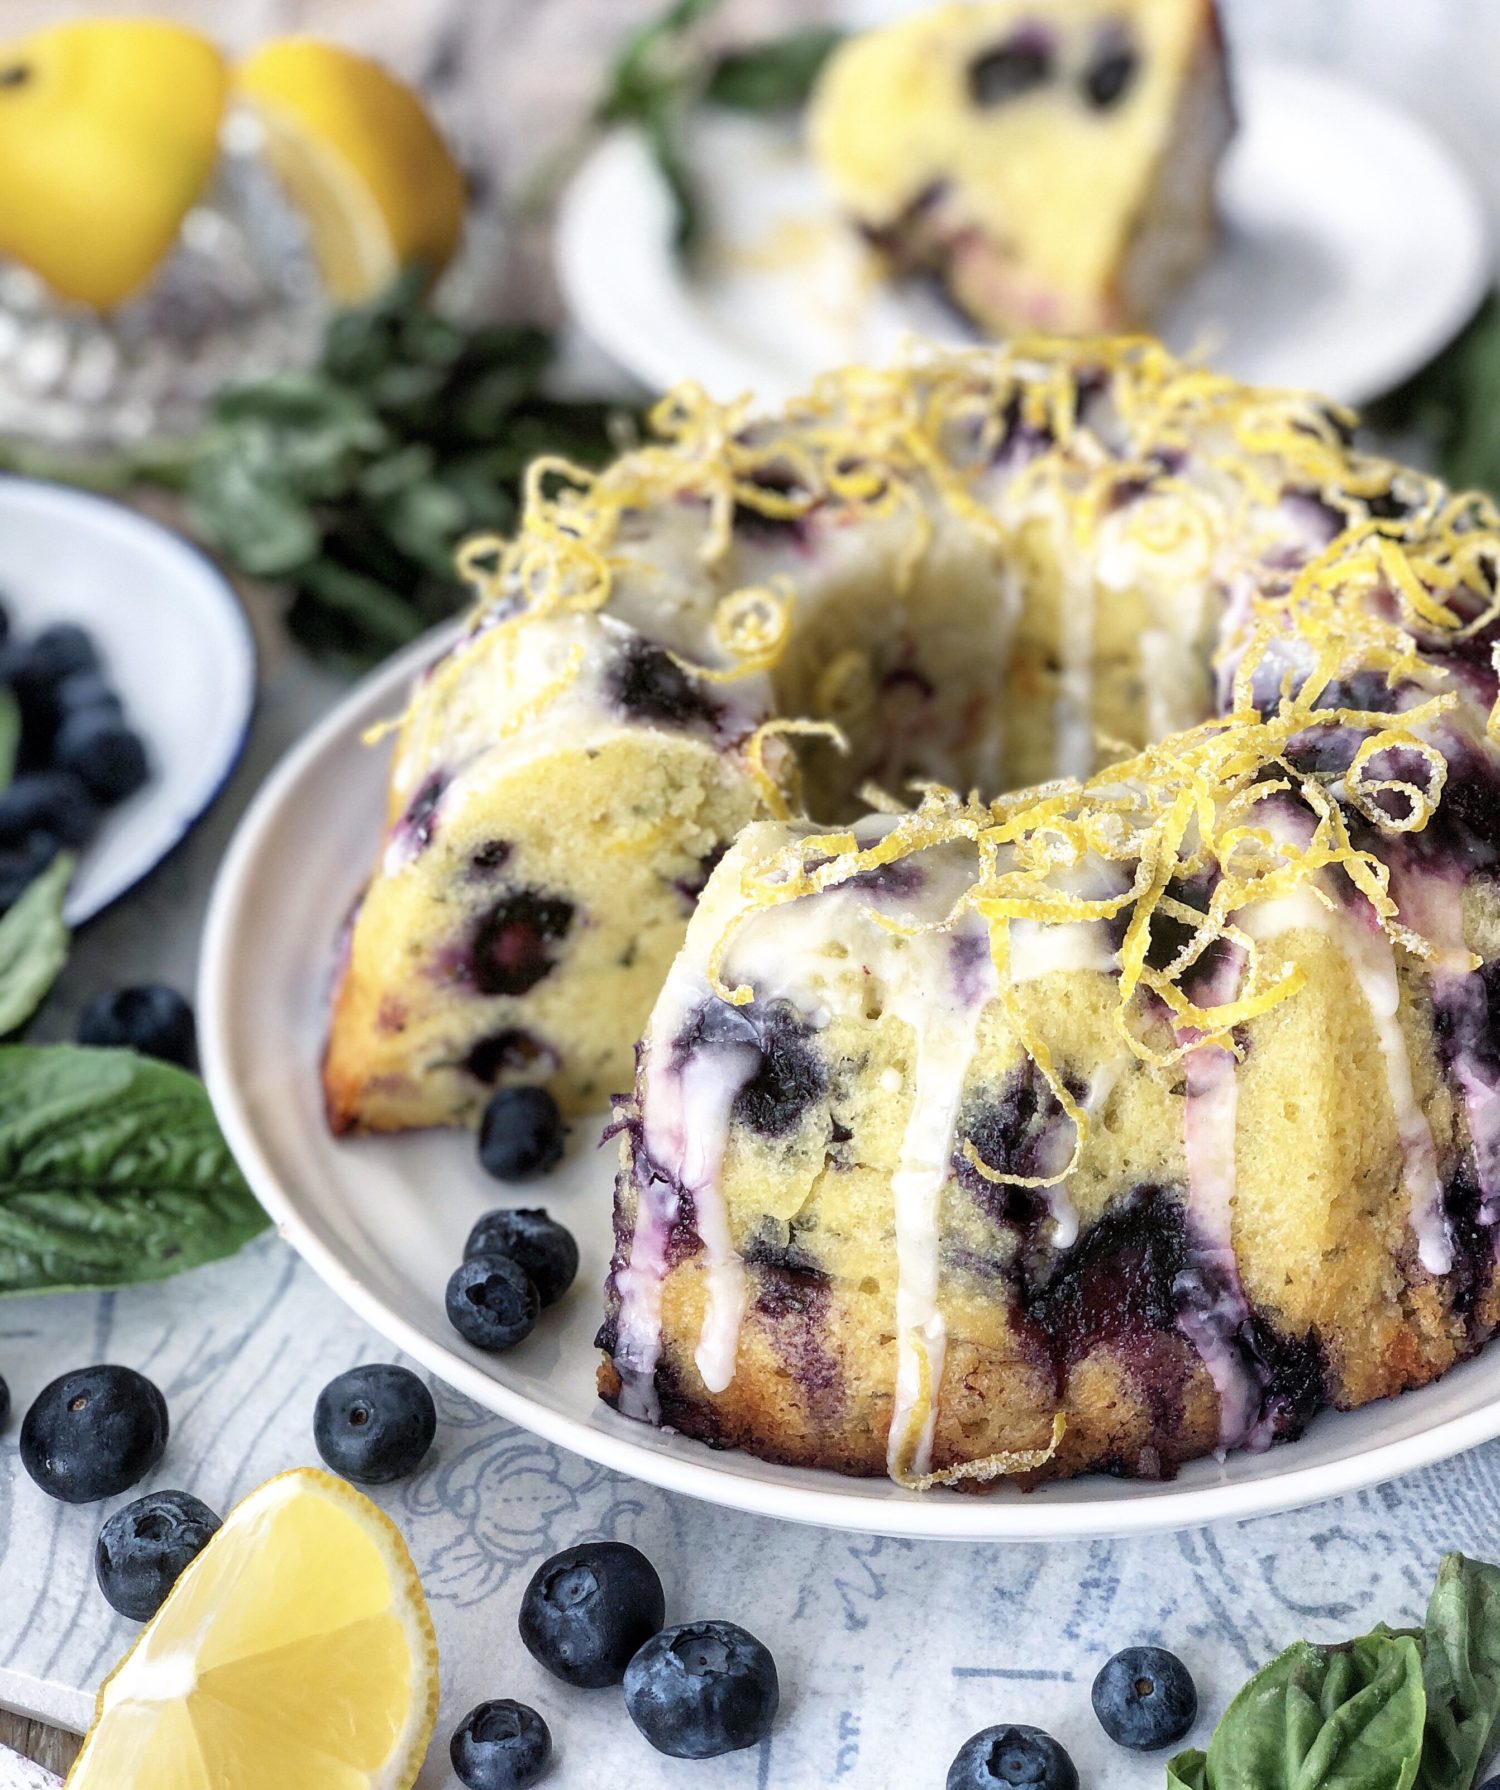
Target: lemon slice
97, 170
295, 1653
360, 158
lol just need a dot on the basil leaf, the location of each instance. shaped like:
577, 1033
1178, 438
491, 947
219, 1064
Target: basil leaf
10, 736
33, 945
775, 76
1461, 1666
112, 1171
1326, 1718
1188, 1771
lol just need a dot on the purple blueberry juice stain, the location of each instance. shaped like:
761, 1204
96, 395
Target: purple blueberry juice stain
1021, 1130
788, 1076
515, 944
413, 832
898, 881
647, 684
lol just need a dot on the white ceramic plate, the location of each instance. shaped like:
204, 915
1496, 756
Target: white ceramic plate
1354, 248
383, 1220
174, 642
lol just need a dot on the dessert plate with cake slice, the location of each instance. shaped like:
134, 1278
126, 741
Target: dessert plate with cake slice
1115, 1148
1328, 196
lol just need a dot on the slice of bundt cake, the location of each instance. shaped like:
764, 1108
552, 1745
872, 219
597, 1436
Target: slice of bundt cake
1052, 166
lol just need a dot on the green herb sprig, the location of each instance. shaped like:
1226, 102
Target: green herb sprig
1454, 404
1397, 1709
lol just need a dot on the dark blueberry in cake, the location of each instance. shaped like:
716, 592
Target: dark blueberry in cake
54, 803
151, 1020
521, 1134
650, 685
145, 1548
94, 1433
535, 1242
501, 1745
588, 1609
1119, 1280
788, 1080
492, 1303
375, 1423
996, 1757
1011, 69
492, 855
702, 1689
101, 749
1110, 72
1145, 1698
510, 1051
514, 946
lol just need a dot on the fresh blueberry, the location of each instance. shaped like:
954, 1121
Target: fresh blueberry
702, 1689
54, 803
501, 1745
521, 1134
101, 749
588, 1609
4, 1404
144, 1549
1010, 70
539, 1244
374, 1424
492, 1302
94, 1433
152, 1020
83, 692
1004, 1756
42, 662
1145, 1698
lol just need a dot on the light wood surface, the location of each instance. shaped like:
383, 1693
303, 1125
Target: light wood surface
33, 1740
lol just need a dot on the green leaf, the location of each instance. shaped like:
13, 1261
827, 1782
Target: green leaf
1188, 1771
1454, 401
112, 1172
1326, 1718
33, 945
1461, 1666
775, 76
10, 736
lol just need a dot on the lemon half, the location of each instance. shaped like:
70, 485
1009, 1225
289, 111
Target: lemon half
295, 1653
108, 134
361, 159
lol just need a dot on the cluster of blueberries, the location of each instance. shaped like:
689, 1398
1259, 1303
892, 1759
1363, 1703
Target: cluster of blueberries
76, 756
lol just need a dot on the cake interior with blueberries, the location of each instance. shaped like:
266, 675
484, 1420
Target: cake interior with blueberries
1047, 166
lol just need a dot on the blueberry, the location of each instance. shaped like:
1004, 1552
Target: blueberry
588, 1609
521, 1134
513, 946
20, 867
702, 1689
492, 1302
55, 803
152, 1020
47, 658
1110, 74
501, 1745
1004, 1756
144, 1549
4, 1404
374, 1424
1010, 70
101, 749
649, 685
1145, 1698
510, 1051
535, 1242
82, 692
94, 1433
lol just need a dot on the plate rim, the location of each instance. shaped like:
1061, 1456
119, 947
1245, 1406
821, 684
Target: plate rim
689, 1467
111, 515
648, 354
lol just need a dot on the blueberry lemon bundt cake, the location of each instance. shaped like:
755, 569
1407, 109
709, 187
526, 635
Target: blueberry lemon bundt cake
1050, 165
1134, 1114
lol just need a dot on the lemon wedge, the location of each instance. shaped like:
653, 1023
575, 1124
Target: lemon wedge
109, 131
360, 158
295, 1653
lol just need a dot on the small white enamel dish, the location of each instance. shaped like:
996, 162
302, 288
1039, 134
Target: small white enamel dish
174, 642
1354, 248
383, 1220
